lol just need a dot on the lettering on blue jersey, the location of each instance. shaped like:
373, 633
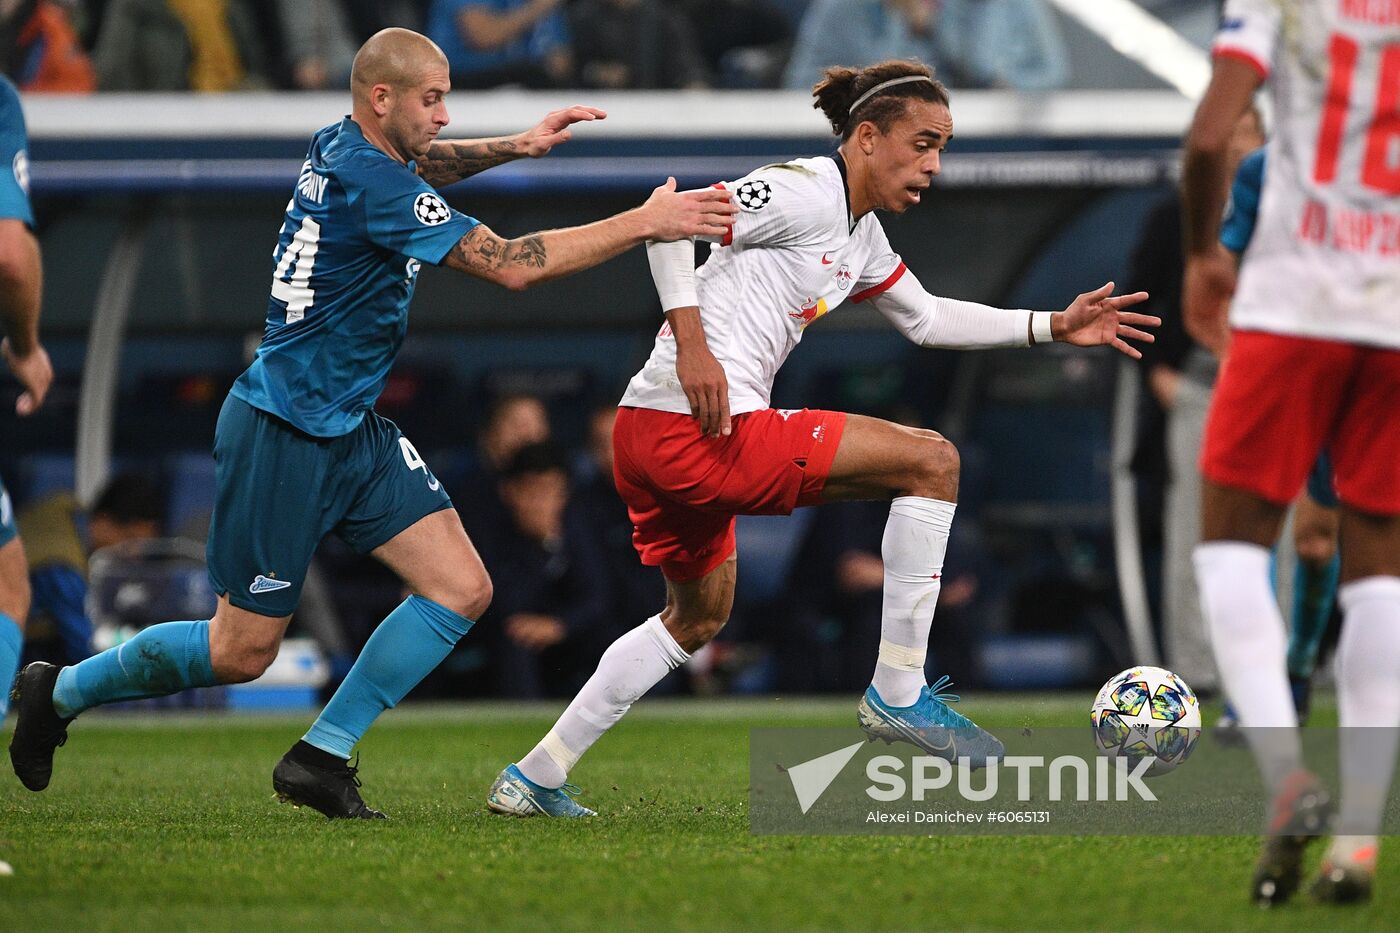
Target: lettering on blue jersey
430, 209
21, 170
311, 186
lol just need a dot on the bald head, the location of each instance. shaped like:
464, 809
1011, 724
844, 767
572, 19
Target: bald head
397, 57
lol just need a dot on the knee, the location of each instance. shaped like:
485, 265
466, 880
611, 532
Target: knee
694, 630
936, 467
14, 602
15, 595
242, 663
469, 596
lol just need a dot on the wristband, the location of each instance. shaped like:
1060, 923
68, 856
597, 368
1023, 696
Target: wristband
1041, 331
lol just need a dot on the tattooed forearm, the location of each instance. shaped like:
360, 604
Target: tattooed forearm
485, 255
448, 162
528, 251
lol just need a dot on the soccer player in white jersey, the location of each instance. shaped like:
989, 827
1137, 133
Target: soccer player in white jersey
1313, 338
696, 442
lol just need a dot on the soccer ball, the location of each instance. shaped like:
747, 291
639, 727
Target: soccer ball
1146, 712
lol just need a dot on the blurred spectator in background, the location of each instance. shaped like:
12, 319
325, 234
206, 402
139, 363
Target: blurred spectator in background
179, 45
636, 590
1000, 44
858, 33
512, 422
744, 43
642, 44
489, 43
1180, 375
41, 50
317, 42
58, 539
551, 596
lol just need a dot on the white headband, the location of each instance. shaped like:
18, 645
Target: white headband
910, 79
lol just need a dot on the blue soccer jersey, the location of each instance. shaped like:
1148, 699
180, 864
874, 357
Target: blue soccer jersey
14, 157
1243, 211
357, 228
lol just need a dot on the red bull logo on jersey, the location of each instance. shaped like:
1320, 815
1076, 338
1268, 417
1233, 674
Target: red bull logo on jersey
810, 310
844, 277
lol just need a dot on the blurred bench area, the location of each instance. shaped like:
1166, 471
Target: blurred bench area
157, 214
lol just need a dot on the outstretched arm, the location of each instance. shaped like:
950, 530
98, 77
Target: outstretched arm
538, 257
450, 160
1093, 319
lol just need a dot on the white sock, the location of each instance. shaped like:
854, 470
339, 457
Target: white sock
1251, 648
915, 542
630, 667
1368, 699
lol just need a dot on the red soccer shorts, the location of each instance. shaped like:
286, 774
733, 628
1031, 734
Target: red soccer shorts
1281, 399
683, 489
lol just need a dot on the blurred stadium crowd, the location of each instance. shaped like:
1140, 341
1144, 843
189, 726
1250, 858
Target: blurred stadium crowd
230, 45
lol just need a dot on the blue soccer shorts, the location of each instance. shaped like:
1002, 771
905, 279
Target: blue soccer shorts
280, 491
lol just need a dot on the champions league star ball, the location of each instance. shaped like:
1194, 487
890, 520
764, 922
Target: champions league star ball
1146, 712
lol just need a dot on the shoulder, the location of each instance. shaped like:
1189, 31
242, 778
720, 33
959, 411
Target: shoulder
801, 188
364, 170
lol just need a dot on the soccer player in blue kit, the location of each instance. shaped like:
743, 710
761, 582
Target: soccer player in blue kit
299, 450
21, 279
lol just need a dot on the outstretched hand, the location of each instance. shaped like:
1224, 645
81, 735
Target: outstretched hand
1095, 319
677, 215
554, 129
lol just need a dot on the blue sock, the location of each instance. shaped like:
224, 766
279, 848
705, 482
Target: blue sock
409, 643
158, 661
1314, 590
11, 641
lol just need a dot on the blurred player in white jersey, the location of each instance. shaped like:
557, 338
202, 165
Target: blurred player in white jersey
1313, 341
696, 442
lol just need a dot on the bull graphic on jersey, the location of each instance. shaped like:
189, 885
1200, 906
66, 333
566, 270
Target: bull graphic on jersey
810, 310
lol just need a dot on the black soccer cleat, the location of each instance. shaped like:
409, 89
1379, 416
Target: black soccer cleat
39, 730
1338, 884
1301, 812
308, 776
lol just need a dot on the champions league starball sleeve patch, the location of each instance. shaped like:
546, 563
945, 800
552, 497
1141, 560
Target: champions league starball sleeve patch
754, 195
431, 209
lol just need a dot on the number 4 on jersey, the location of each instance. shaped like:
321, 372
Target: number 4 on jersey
415, 462
293, 286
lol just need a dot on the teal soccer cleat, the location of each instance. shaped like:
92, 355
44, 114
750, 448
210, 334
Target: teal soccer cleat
931, 725
517, 795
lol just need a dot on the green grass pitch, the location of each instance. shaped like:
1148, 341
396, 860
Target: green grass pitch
168, 822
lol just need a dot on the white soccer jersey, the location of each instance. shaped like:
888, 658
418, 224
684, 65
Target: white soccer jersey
1325, 258
792, 256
